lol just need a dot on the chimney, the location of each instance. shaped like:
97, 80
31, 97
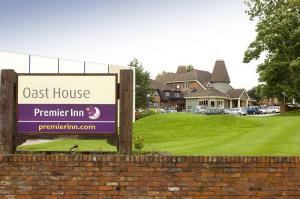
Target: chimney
181, 69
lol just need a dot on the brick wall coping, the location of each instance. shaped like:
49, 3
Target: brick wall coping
148, 158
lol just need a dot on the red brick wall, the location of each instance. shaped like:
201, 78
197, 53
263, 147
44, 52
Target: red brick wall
96, 176
194, 85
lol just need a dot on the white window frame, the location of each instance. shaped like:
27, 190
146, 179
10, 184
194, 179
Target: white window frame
203, 103
186, 85
176, 94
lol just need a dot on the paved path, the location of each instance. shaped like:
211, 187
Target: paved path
38, 141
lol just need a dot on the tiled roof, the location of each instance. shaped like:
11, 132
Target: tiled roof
220, 73
235, 93
156, 84
208, 92
202, 76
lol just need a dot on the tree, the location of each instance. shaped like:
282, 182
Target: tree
256, 92
142, 81
278, 39
189, 68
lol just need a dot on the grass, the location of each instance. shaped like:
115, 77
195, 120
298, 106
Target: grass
193, 134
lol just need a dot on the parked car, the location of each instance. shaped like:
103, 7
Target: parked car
253, 110
170, 110
213, 111
228, 111
273, 109
293, 105
200, 109
262, 111
238, 111
161, 110
189, 110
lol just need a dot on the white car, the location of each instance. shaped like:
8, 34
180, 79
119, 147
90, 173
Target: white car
162, 110
170, 110
238, 111
273, 109
262, 110
228, 111
200, 109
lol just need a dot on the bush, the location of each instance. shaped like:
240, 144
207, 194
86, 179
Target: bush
138, 144
148, 113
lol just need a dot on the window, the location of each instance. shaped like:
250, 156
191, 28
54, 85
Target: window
176, 94
212, 103
185, 85
203, 102
167, 93
219, 103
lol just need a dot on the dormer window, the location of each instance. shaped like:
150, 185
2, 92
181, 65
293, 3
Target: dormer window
185, 85
208, 85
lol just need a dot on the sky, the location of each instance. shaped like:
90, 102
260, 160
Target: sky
162, 34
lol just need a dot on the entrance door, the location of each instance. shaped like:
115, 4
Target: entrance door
212, 103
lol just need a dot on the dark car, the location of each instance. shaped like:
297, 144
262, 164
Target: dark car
253, 111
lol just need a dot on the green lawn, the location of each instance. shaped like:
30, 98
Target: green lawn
194, 134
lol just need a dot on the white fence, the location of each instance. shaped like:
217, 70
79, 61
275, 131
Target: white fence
25, 63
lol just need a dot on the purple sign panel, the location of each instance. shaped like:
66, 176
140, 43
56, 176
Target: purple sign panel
67, 118
67, 104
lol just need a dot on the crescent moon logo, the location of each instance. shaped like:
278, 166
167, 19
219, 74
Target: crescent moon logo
93, 112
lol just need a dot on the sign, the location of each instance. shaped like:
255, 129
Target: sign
67, 104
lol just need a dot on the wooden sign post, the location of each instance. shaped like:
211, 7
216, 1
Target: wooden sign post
8, 111
126, 107
18, 111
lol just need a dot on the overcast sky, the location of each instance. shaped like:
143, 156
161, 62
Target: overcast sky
162, 34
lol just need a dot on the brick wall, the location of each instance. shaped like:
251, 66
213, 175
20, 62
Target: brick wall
194, 85
108, 176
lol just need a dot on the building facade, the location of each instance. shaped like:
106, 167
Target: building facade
188, 89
